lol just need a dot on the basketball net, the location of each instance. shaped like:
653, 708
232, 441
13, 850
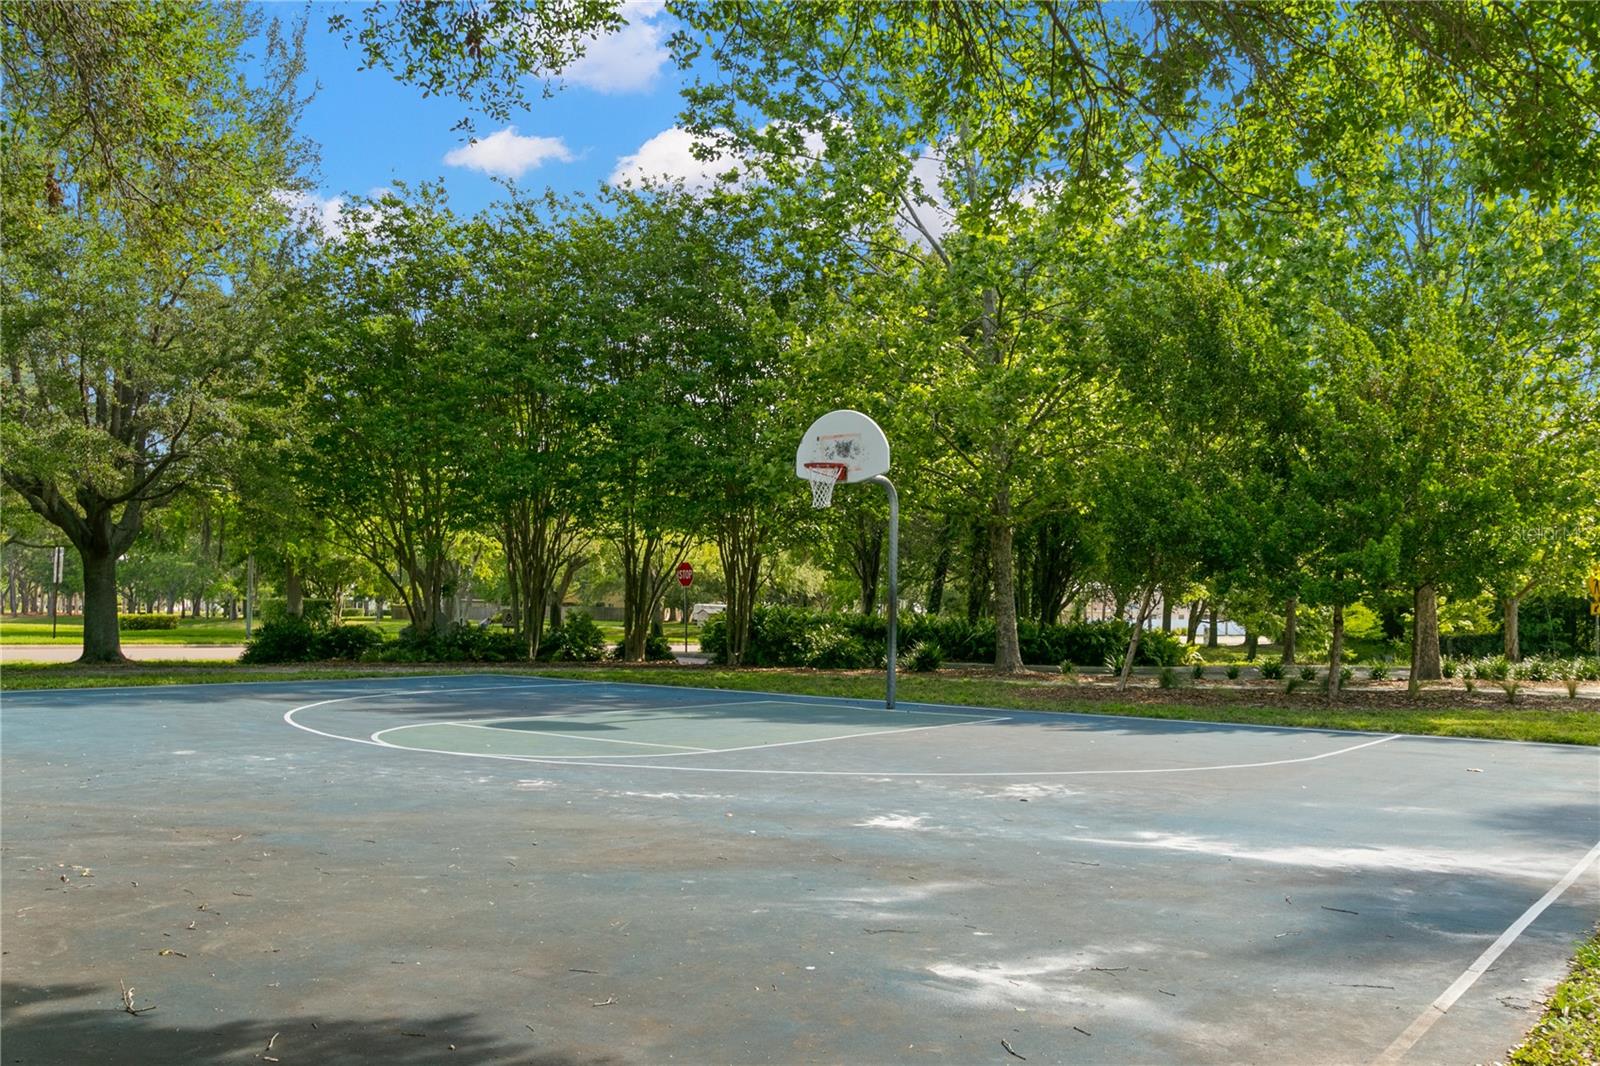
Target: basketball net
823, 477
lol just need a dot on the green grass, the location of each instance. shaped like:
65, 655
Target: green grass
31, 630
1438, 713
1568, 1033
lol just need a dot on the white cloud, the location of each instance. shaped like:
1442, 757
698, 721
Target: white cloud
508, 153
325, 214
670, 155
629, 60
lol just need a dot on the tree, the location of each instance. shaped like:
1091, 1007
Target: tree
142, 258
381, 366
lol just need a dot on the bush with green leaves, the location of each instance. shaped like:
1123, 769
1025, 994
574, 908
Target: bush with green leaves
1159, 647
925, 656
1168, 678
1378, 671
1308, 673
1232, 671
1271, 669
1448, 667
1492, 668
287, 639
457, 643
1198, 671
577, 640
830, 647
133, 622
347, 641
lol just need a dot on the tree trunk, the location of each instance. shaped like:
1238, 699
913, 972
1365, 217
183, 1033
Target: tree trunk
1196, 610
1425, 665
1211, 627
1133, 641
294, 593
1513, 641
102, 640
978, 574
1007, 649
1288, 630
1166, 612
941, 567
1251, 641
1336, 653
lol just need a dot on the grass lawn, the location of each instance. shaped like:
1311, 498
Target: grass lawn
1438, 712
1569, 1030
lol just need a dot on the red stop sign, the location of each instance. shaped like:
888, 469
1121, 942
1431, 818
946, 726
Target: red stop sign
685, 575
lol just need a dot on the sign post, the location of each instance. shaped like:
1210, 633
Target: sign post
57, 561
1594, 607
249, 593
685, 578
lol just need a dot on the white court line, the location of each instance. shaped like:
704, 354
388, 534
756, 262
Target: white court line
288, 717
1437, 1009
684, 748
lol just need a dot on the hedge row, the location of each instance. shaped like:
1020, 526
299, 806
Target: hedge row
288, 639
148, 621
794, 636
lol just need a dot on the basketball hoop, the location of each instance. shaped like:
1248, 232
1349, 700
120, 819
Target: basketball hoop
823, 477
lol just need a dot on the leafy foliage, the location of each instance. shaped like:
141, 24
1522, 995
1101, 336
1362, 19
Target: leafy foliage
148, 621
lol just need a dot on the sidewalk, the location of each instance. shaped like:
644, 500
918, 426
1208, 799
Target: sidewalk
66, 653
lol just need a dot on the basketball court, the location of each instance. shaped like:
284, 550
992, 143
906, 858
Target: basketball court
524, 870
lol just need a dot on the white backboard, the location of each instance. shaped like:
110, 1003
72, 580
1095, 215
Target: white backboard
847, 437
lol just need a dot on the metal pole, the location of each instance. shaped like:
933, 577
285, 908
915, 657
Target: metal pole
249, 591
894, 578
686, 619
56, 560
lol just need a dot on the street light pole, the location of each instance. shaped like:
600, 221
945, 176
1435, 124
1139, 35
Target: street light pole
894, 579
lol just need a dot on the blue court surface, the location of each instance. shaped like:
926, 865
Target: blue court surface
527, 870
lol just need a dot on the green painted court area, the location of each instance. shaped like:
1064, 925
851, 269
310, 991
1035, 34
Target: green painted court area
643, 732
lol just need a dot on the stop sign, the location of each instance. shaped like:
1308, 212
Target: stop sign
685, 575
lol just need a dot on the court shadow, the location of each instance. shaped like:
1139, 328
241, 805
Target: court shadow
82, 1023
1571, 823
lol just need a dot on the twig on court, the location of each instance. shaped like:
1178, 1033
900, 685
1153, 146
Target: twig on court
1164, 992
529, 1028
1085, 1032
1340, 910
272, 1041
1108, 969
575, 969
1011, 1050
608, 1001
127, 1001
888, 930
1389, 987
169, 951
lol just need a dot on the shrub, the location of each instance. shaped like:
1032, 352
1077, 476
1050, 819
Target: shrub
1070, 672
456, 643
1158, 647
346, 642
577, 640
1447, 666
1511, 687
926, 656
714, 638
1114, 662
282, 640
1293, 683
147, 621
1536, 669
1271, 669
1233, 671
1308, 673
1380, 672
1168, 678
1198, 671
1493, 668
830, 647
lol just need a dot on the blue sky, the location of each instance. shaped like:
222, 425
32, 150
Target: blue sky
616, 115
